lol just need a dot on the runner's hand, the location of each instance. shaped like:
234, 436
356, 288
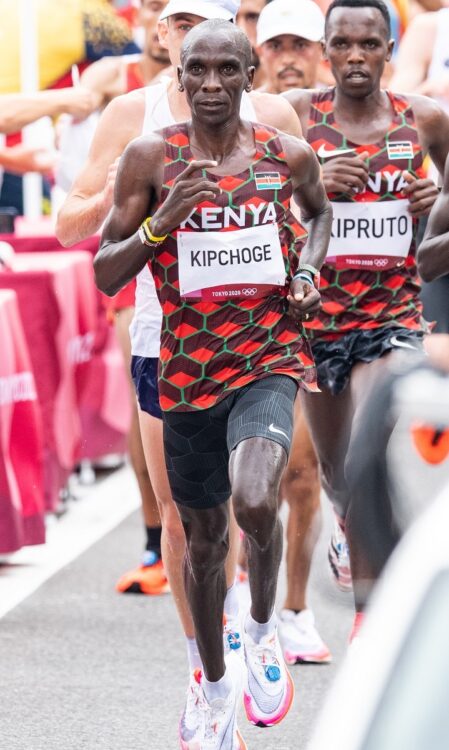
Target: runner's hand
421, 193
345, 174
186, 192
304, 300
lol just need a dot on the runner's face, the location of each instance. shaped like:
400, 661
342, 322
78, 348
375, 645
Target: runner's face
248, 16
173, 31
149, 13
357, 48
214, 75
289, 62
246, 19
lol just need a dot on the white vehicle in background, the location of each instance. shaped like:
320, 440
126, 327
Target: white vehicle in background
392, 692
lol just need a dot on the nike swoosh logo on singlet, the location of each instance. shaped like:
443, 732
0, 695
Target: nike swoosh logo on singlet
272, 428
324, 153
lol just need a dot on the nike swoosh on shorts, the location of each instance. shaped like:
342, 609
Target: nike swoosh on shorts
272, 428
324, 153
402, 344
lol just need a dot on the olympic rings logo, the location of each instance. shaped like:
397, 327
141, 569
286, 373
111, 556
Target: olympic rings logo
249, 292
381, 262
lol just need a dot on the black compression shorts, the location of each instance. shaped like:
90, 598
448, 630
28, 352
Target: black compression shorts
335, 358
198, 443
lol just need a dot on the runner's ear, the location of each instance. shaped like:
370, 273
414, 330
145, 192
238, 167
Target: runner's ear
250, 74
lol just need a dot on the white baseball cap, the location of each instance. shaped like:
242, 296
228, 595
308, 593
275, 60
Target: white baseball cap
298, 17
207, 9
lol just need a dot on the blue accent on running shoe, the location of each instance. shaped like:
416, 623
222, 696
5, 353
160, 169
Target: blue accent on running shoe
150, 557
272, 673
234, 641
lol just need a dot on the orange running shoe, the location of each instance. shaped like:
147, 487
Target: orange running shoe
145, 579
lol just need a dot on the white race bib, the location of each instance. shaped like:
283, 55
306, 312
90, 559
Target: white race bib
373, 235
228, 265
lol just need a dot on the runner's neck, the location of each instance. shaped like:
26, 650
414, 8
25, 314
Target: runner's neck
368, 108
230, 141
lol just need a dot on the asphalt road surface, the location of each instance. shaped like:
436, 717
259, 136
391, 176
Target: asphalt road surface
84, 668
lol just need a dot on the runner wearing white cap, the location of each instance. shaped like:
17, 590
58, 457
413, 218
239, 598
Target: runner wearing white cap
82, 214
288, 44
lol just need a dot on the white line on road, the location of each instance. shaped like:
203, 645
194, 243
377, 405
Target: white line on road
87, 521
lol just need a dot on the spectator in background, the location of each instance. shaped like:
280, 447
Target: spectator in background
247, 18
289, 34
68, 32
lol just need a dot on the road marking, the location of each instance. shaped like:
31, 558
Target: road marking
87, 520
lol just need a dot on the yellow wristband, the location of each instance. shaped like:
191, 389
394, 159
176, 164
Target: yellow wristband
151, 237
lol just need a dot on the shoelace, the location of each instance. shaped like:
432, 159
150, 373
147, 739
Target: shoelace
267, 661
212, 716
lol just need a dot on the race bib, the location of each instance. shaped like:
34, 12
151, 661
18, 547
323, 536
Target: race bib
373, 235
230, 265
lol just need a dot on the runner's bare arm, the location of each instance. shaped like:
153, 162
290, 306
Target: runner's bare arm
433, 253
122, 254
310, 196
105, 78
433, 128
300, 101
18, 110
274, 111
89, 200
316, 215
414, 54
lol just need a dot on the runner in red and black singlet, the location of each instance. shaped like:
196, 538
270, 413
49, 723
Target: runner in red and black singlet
220, 240
369, 279
226, 336
371, 144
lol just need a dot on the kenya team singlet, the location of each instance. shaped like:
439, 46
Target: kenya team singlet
369, 279
222, 278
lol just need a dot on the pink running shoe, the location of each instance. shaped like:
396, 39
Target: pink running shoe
269, 690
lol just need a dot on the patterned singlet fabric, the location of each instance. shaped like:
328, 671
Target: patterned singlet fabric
208, 348
369, 279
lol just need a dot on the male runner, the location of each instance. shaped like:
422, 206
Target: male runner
371, 145
288, 37
106, 79
247, 19
82, 214
231, 358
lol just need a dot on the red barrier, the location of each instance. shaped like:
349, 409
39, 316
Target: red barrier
21, 436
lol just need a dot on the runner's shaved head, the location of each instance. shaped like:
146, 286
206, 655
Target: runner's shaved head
218, 30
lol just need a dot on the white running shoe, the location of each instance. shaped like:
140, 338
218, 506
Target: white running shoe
269, 690
338, 556
219, 731
191, 721
301, 642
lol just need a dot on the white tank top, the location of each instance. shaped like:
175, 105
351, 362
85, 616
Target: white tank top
145, 329
439, 64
